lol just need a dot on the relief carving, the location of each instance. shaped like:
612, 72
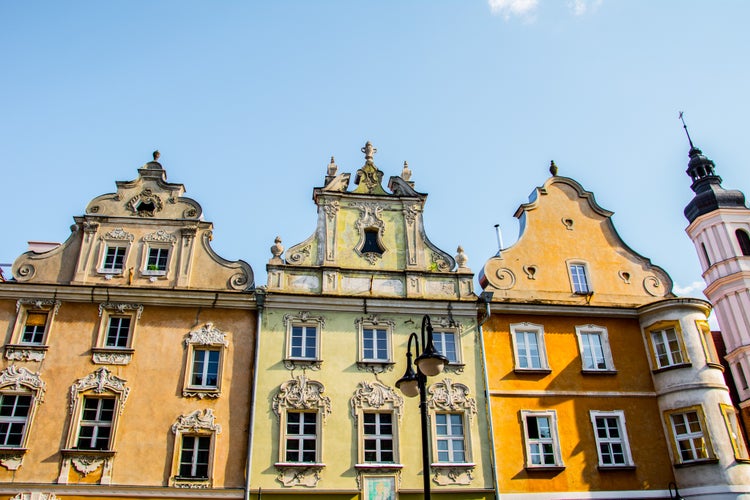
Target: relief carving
160, 236
100, 381
121, 308
199, 420
145, 204
46, 304
445, 476
85, 464
13, 353
207, 335
448, 396
11, 459
301, 394
25, 272
653, 286
300, 255
117, 234
504, 279
303, 317
111, 357
375, 395
35, 496
17, 378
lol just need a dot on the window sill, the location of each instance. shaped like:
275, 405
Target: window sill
311, 364
587, 371
453, 465
110, 273
191, 482
672, 367
718, 366
68, 452
378, 466
544, 468
454, 367
300, 465
25, 352
532, 371
375, 366
604, 468
703, 461
201, 392
112, 355
153, 272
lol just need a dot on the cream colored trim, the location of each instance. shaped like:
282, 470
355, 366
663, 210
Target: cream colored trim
208, 338
200, 423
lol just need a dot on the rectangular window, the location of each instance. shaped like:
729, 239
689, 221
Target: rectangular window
118, 331
304, 342
301, 436
579, 279
114, 260
205, 368
707, 341
96, 423
527, 346
445, 343
735, 432
14, 413
34, 328
611, 439
593, 342
375, 344
542, 446
449, 431
378, 437
689, 436
157, 259
667, 347
194, 457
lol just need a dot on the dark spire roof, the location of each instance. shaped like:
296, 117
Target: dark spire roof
709, 195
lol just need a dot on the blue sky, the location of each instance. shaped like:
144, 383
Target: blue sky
247, 101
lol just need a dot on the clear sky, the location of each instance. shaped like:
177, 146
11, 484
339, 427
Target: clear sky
247, 101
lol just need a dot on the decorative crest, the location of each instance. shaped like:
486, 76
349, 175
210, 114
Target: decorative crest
100, 381
448, 396
377, 396
208, 334
301, 394
16, 378
196, 421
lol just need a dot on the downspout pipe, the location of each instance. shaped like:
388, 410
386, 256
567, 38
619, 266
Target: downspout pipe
260, 301
485, 298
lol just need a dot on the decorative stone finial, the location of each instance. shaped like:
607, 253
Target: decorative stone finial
368, 150
276, 250
552, 168
156, 155
461, 257
406, 173
332, 168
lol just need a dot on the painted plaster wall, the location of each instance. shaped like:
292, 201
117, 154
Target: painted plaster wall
341, 376
144, 440
630, 390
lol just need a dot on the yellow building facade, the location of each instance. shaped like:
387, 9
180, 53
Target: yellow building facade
127, 355
338, 312
602, 383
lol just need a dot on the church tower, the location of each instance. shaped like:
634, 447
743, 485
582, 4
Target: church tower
720, 229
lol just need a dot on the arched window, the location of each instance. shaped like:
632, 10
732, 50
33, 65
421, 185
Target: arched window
705, 254
744, 240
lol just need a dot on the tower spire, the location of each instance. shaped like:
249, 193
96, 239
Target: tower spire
686, 130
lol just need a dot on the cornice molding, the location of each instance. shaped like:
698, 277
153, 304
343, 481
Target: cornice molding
401, 306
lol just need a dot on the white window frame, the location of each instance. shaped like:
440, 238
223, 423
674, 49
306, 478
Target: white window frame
449, 438
160, 240
519, 330
117, 238
673, 419
659, 331
17, 349
198, 424
439, 335
303, 320
607, 441
582, 333
451, 398
207, 339
375, 323
98, 423
574, 279
103, 354
301, 437
18, 381
376, 398
553, 440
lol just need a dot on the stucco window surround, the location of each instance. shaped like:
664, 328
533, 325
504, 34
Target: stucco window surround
115, 340
375, 346
194, 443
666, 346
303, 340
114, 250
579, 273
734, 429
158, 252
301, 409
96, 404
690, 442
34, 320
451, 409
612, 444
376, 409
529, 350
707, 342
542, 442
205, 353
21, 393
593, 345
447, 340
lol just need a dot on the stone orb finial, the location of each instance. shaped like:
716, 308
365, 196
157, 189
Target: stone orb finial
276, 250
461, 257
406, 172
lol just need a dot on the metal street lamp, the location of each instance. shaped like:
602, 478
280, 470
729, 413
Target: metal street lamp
429, 363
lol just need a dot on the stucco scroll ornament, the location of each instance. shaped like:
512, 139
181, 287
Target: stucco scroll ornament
17, 378
199, 420
238, 281
100, 381
410, 213
208, 334
299, 255
299, 476
449, 396
120, 308
301, 394
370, 219
653, 286
85, 464
331, 208
444, 476
504, 279
439, 264
375, 395
35, 495
160, 236
25, 272
117, 234
145, 204
304, 316
52, 304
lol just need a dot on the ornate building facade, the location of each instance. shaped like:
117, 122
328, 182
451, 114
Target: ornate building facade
602, 383
338, 312
127, 355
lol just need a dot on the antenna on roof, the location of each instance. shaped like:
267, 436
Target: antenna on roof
686, 131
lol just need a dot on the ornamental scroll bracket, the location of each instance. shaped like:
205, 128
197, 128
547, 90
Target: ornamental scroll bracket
450, 396
301, 394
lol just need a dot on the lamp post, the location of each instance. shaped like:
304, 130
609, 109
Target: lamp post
429, 363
